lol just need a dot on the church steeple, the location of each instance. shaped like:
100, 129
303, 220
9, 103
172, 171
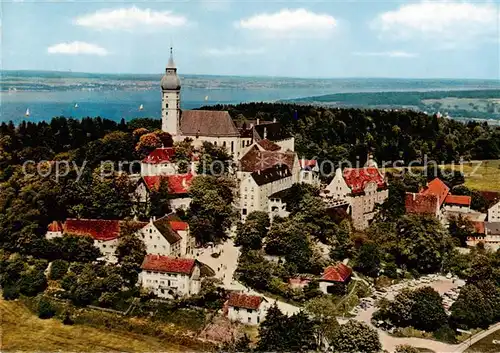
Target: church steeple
171, 96
171, 64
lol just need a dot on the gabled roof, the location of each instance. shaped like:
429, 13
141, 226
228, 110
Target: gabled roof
492, 228
270, 175
244, 301
421, 203
438, 188
161, 263
160, 155
164, 227
99, 229
177, 183
337, 273
358, 178
207, 123
268, 145
458, 200
255, 159
178, 225
55, 226
271, 130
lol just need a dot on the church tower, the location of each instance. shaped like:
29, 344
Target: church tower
170, 99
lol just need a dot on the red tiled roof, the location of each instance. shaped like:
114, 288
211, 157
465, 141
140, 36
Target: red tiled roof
99, 229
438, 188
244, 301
269, 145
55, 226
177, 184
458, 200
167, 264
357, 178
160, 155
337, 273
479, 227
421, 203
177, 225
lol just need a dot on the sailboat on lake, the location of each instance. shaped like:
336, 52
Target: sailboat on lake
141, 107
76, 105
27, 114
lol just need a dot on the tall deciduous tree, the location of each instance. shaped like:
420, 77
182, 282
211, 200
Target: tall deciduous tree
355, 336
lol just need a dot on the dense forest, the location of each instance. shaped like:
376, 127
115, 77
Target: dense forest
344, 134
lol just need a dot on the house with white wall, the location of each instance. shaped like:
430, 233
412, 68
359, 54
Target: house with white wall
178, 189
338, 273
247, 309
160, 239
104, 232
159, 162
362, 188
170, 277
494, 213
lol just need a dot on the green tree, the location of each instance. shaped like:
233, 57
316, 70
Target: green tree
422, 243
45, 309
271, 337
471, 309
461, 228
324, 312
368, 260
211, 212
356, 336
159, 200
32, 282
58, 269
249, 235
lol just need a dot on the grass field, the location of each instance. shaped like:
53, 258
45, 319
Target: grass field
20, 330
486, 345
479, 175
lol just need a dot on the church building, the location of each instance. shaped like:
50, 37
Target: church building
216, 127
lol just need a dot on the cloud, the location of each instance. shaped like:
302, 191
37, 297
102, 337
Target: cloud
232, 51
130, 18
76, 48
390, 54
439, 21
298, 22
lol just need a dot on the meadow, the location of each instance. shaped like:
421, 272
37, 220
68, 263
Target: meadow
479, 175
20, 330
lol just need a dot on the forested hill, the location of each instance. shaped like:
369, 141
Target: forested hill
337, 134
325, 133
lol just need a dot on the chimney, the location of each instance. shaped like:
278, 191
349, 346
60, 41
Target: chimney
258, 121
265, 132
274, 120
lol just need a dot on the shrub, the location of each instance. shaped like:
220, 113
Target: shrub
67, 320
58, 269
445, 334
32, 283
68, 281
45, 309
10, 292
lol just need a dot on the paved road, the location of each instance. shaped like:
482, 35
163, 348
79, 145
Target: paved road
225, 266
477, 337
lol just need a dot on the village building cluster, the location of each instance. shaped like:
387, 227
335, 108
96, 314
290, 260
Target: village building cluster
436, 199
266, 167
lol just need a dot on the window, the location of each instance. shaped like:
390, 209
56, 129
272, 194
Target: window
224, 143
215, 143
155, 246
150, 230
243, 143
103, 245
232, 146
244, 212
258, 319
249, 320
249, 311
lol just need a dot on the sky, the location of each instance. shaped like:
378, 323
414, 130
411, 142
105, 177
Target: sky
318, 39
